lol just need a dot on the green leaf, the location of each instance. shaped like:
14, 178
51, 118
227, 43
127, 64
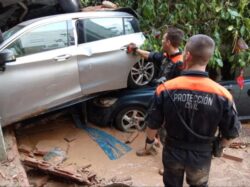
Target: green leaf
242, 63
219, 62
218, 9
230, 28
247, 22
242, 30
231, 59
234, 13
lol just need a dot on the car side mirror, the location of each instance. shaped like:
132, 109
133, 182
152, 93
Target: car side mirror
6, 56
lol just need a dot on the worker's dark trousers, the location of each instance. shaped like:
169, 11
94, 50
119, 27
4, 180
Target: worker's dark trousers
174, 173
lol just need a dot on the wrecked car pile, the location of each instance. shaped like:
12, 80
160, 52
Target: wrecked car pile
64, 67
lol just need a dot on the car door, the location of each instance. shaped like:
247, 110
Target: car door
44, 75
241, 96
103, 63
244, 96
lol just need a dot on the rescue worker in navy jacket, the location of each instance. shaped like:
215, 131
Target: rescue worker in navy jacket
205, 107
171, 59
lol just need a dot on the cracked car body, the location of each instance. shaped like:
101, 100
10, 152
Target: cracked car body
62, 66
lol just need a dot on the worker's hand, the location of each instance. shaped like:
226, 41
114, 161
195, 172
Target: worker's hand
131, 48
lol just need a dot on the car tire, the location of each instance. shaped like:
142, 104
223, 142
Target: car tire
141, 74
131, 118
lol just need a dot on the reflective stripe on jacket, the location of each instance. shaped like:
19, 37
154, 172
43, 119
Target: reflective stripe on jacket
203, 104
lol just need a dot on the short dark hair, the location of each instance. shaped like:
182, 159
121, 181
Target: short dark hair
175, 36
201, 47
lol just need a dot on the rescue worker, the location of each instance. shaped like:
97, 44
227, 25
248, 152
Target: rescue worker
191, 101
171, 59
171, 64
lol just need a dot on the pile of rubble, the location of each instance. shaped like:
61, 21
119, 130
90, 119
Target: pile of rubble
50, 161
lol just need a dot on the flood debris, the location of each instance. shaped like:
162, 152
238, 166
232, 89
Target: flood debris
70, 137
132, 137
12, 172
55, 170
2, 175
82, 175
106, 5
55, 156
38, 180
119, 182
44, 146
238, 145
24, 149
232, 157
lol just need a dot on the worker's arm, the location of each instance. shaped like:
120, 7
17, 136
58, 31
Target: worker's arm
230, 125
144, 54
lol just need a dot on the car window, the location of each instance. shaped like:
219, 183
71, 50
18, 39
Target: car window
94, 29
44, 38
11, 31
131, 25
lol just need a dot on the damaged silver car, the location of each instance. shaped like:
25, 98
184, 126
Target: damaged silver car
56, 61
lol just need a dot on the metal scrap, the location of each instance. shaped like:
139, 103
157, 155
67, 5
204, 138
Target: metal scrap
132, 137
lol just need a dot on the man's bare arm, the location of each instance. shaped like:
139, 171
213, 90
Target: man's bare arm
144, 54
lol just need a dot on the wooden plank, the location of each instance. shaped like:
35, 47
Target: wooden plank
232, 157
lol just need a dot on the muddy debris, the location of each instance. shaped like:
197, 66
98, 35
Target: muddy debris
24, 149
238, 145
232, 157
119, 182
55, 156
70, 137
59, 171
132, 137
82, 176
45, 146
12, 172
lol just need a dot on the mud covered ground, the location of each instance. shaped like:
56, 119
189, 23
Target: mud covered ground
143, 171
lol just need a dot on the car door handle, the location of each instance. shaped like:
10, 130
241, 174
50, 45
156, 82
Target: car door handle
62, 57
124, 48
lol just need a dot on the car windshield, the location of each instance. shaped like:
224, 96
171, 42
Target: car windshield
11, 31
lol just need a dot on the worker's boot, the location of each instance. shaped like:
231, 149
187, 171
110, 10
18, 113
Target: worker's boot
146, 152
150, 148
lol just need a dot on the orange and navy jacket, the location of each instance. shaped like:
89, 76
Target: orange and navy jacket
170, 65
204, 105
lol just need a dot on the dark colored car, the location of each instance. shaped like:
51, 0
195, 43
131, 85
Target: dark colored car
126, 109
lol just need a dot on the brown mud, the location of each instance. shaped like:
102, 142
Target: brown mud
81, 151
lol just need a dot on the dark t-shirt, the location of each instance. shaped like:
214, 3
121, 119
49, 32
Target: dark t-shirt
170, 65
